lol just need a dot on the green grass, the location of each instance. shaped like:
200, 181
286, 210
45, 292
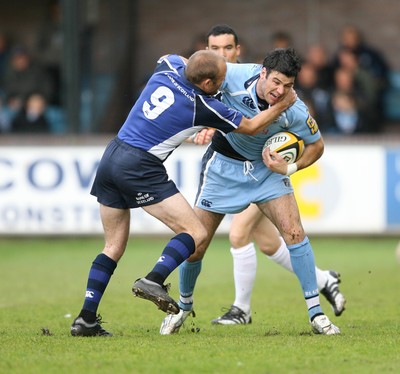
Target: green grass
42, 283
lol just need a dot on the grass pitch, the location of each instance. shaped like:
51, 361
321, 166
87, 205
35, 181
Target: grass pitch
42, 288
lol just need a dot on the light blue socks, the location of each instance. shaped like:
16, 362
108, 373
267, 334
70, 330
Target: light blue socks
188, 273
302, 258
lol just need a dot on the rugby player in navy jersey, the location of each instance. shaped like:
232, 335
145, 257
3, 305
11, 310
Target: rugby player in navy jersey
176, 103
238, 161
251, 224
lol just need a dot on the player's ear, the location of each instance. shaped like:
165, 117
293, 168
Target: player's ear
238, 50
206, 84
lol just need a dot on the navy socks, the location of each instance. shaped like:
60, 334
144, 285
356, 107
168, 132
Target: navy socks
177, 250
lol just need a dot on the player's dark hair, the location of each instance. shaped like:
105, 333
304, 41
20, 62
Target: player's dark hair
222, 30
202, 65
283, 60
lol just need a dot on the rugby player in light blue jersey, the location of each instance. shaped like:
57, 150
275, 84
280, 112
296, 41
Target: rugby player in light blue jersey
236, 161
176, 103
251, 226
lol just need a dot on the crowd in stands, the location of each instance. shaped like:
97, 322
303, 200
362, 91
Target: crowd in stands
344, 92
27, 93
30, 99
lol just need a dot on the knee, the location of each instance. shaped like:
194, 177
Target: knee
202, 240
270, 245
238, 237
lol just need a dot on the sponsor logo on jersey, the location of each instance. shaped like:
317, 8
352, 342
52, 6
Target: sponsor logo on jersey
248, 101
312, 124
180, 88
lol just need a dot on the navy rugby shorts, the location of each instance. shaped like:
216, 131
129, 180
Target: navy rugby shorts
128, 177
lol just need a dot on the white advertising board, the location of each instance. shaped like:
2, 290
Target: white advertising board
46, 190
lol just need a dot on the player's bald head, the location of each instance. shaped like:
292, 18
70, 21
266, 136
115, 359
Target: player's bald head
203, 65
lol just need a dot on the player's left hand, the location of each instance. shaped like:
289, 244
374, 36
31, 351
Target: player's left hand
275, 162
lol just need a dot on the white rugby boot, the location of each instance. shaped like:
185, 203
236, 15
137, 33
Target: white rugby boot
322, 325
173, 322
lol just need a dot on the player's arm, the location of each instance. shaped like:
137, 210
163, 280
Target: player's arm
277, 164
254, 125
312, 152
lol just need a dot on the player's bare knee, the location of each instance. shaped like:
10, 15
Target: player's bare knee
238, 238
269, 250
269, 245
202, 241
199, 252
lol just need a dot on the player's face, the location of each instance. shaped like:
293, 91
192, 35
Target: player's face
273, 86
225, 46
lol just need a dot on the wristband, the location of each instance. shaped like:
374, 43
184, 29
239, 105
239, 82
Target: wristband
291, 169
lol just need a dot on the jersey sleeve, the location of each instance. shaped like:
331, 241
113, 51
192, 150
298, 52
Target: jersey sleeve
169, 63
211, 112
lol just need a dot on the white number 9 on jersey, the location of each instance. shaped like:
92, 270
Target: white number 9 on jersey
161, 99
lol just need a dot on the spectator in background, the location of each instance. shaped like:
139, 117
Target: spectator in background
4, 59
281, 39
198, 43
317, 98
31, 118
50, 48
369, 58
24, 76
317, 56
348, 116
364, 87
5, 122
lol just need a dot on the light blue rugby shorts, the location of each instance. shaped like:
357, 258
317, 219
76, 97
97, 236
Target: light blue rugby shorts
229, 186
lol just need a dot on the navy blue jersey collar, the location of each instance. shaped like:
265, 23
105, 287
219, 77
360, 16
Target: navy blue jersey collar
250, 81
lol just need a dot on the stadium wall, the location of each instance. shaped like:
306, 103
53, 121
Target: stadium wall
352, 189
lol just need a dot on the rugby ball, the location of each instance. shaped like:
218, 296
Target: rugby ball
287, 144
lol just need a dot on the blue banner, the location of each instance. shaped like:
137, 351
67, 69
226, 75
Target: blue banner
393, 188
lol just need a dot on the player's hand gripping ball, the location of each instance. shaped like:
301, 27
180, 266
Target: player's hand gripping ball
287, 144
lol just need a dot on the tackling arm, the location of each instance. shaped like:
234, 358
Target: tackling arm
254, 125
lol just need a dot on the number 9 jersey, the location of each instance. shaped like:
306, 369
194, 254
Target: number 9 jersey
170, 109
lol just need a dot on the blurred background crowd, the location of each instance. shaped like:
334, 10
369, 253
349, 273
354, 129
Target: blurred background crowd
58, 75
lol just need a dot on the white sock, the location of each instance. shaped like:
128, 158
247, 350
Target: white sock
322, 277
282, 257
244, 273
